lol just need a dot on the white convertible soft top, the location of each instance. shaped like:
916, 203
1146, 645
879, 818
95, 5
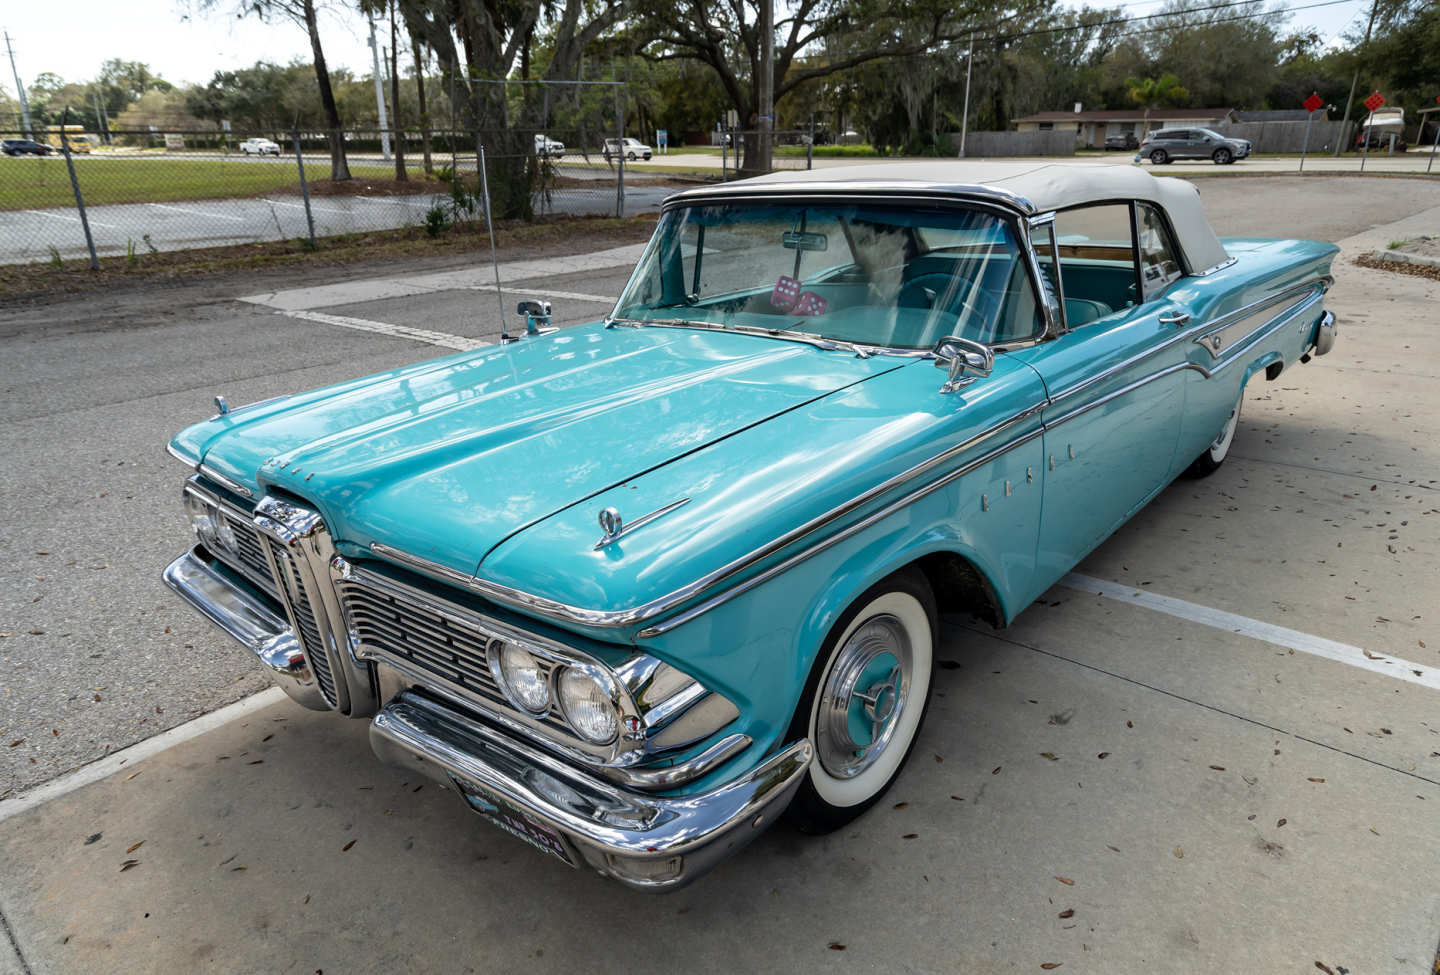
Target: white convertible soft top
1030, 186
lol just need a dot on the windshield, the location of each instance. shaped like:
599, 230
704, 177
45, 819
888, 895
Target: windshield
866, 274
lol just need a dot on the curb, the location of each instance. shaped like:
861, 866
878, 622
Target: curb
1399, 257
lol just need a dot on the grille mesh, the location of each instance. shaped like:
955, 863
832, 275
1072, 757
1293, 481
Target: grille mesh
307, 631
249, 558
441, 646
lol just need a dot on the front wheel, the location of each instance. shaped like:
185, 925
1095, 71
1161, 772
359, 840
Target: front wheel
1223, 157
630, 156
865, 700
1159, 157
1209, 462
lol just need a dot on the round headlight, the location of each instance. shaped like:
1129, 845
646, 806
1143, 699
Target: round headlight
224, 534
202, 519
524, 678
588, 707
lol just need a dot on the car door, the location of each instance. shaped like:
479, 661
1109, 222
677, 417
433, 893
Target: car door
1115, 380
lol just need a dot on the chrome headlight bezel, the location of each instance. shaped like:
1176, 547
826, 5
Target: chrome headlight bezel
497, 654
208, 522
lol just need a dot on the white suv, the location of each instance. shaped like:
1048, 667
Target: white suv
633, 149
259, 147
546, 146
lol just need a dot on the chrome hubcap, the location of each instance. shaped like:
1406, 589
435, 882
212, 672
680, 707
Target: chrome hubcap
864, 695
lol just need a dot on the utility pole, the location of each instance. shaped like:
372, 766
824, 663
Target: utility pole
379, 94
965, 113
767, 83
1340, 142
20, 90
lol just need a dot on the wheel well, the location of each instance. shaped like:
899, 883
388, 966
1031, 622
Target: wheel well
960, 587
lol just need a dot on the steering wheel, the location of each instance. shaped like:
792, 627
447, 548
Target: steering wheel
922, 290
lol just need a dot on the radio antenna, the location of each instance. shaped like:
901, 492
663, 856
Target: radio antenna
490, 226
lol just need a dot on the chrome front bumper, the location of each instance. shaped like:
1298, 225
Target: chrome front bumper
249, 621
647, 842
644, 841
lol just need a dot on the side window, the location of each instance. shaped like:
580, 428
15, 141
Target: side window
1097, 261
1158, 263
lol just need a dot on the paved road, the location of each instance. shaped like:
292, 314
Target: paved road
1414, 161
1174, 840
27, 235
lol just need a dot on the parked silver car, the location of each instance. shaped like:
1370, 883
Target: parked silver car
1164, 145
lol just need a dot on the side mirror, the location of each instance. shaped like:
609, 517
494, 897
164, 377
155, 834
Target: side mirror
965, 359
537, 316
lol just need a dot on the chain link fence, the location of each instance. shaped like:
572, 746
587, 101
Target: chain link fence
131, 193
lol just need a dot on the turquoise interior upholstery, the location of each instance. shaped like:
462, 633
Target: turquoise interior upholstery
1082, 311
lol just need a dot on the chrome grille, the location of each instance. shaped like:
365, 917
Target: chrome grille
249, 558
388, 625
307, 631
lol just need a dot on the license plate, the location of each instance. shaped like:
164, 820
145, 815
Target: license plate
513, 821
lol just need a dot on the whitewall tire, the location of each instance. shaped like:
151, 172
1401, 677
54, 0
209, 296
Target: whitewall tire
865, 701
1209, 462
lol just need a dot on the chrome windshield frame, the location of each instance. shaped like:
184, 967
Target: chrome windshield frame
1014, 211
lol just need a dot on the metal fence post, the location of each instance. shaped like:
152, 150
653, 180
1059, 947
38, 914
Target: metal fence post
810, 146
1434, 145
79, 200
724, 149
304, 188
620, 152
1309, 116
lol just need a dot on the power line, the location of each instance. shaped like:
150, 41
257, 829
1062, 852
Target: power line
1117, 21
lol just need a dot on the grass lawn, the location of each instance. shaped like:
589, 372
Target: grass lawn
29, 182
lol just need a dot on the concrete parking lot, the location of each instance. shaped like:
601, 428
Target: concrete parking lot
1215, 747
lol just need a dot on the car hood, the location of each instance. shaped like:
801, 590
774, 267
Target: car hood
447, 459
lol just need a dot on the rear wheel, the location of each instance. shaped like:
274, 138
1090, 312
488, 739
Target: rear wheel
1223, 157
1159, 157
1209, 462
865, 701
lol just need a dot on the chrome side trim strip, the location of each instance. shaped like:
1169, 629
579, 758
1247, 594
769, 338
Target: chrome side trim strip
1189, 333
1232, 352
663, 604
225, 482
1123, 390
835, 539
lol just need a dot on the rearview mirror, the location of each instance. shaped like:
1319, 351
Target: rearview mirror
796, 240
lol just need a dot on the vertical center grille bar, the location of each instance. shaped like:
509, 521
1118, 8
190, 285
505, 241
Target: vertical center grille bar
302, 617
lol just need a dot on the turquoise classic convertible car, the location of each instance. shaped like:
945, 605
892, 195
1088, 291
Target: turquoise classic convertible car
638, 588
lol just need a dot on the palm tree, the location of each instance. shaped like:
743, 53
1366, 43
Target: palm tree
1151, 92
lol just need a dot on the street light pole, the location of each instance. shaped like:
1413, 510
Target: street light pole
20, 90
1350, 101
379, 95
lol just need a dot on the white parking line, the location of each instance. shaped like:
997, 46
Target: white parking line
196, 213
62, 216
137, 752
301, 206
1280, 636
443, 339
568, 295
427, 203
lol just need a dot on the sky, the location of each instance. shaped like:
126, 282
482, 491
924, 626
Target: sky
190, 47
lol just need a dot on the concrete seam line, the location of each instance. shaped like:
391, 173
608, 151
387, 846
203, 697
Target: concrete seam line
1280, 636
141, 750
14, 944
568, 295
442, 339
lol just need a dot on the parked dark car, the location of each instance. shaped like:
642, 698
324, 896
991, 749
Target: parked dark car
24, 147
1164, 145
1124, 141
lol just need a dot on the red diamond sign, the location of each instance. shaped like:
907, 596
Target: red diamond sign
1313, 103
1375, 101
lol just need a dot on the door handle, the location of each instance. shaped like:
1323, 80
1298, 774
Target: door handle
1175, 318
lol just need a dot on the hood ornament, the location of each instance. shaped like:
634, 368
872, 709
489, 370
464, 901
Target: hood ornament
615, 527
